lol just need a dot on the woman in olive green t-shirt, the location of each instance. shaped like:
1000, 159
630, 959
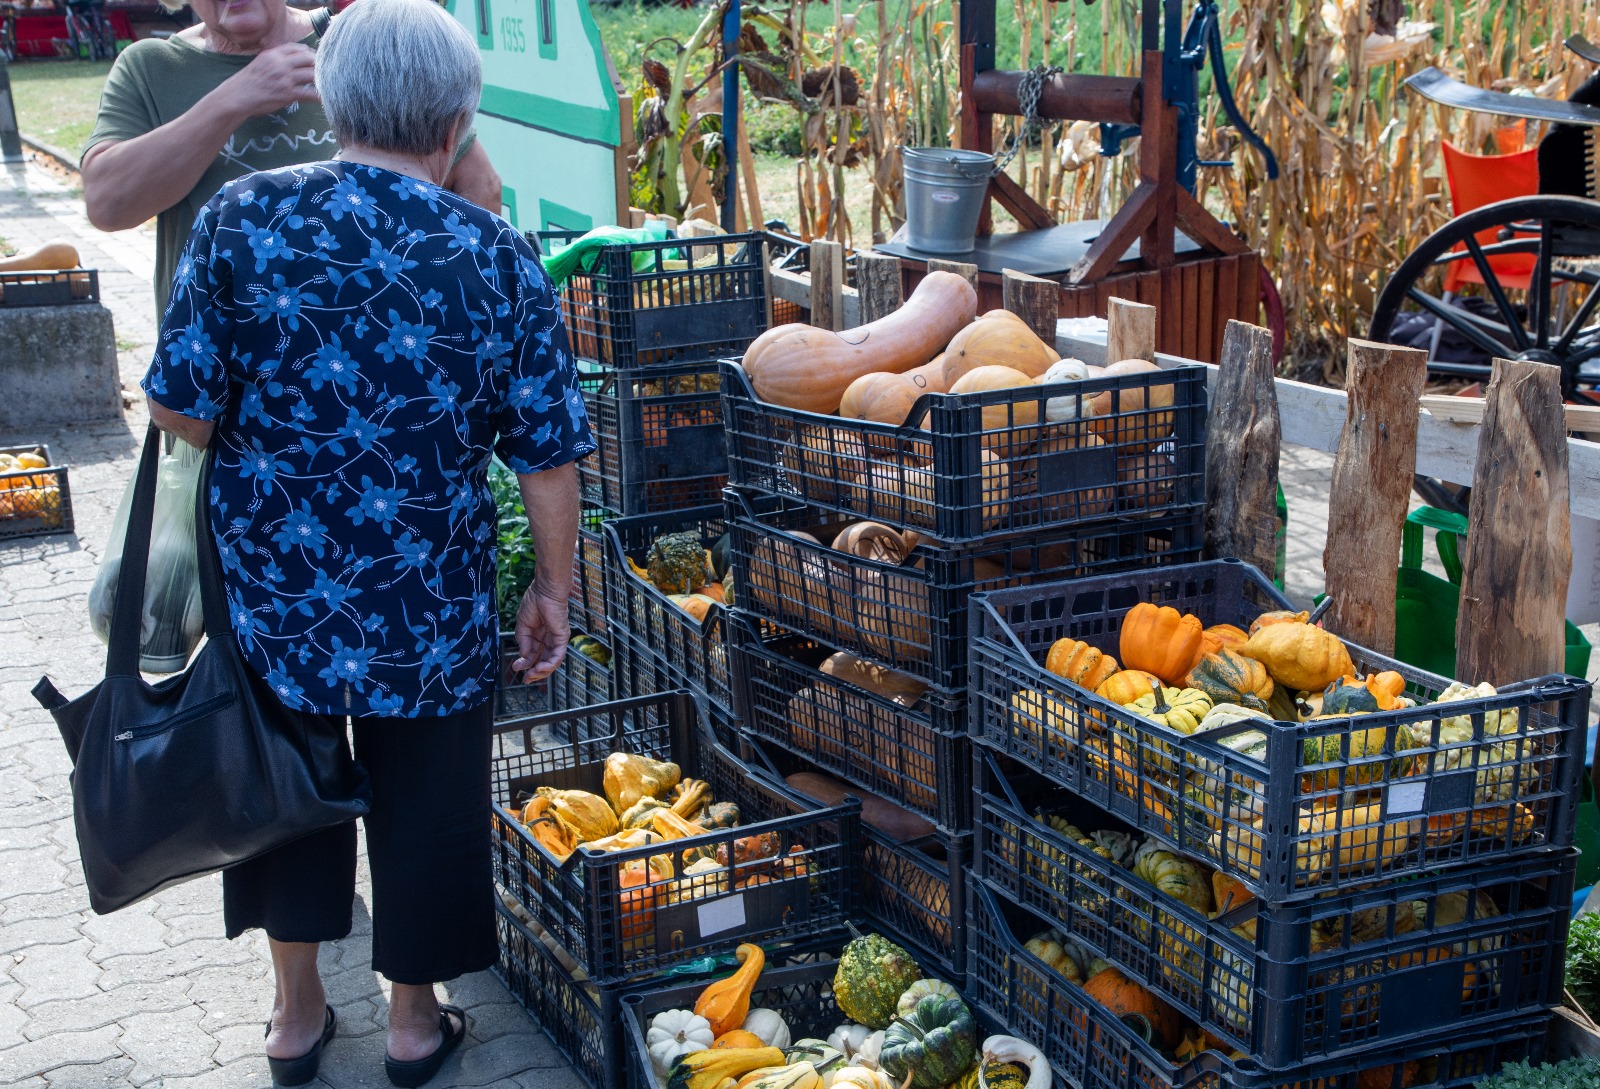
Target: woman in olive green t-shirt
231, 95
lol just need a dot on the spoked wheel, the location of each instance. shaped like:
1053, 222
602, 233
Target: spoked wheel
1545, 311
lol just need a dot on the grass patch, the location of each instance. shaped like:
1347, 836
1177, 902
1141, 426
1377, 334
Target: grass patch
57, 101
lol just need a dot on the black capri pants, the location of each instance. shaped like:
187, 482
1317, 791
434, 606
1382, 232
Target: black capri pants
428, 847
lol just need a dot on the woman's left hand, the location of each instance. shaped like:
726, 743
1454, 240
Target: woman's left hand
542, 634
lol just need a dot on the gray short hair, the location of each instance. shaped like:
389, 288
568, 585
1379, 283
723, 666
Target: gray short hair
398, 76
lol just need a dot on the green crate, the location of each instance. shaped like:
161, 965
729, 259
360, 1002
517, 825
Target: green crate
1425, 605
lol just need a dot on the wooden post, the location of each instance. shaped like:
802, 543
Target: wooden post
1035, 300
878, 284
827, 284
1242, 438
1519, 548
967, 272
1131, 332
1371, 490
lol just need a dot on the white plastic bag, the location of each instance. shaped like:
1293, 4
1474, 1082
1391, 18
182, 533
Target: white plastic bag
172, 623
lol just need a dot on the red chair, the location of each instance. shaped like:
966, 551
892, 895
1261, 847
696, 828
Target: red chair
1476, 180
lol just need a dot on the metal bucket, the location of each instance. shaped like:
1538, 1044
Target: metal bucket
945, 189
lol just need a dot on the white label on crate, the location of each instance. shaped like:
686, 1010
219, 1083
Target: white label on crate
1407, 798
720, 915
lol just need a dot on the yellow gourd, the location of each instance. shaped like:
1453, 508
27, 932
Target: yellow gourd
725, 1002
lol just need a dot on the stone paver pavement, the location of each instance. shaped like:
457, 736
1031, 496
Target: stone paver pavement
152, 997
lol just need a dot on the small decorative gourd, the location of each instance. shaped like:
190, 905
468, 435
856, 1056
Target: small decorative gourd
933, 1044
1158, 639
1080, 663
725, 1002
1229, 677
1126, 686
674, 1034
1178, 709
1299, 655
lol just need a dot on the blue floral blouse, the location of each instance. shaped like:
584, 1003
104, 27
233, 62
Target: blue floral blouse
364, 340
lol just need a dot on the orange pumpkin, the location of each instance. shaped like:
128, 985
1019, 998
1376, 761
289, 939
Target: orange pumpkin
1123, 687
639, 879
1159, 639
738, 1038
1218, 636
1126, 999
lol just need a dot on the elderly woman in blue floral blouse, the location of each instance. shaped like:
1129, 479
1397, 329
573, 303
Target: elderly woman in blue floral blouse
361, 341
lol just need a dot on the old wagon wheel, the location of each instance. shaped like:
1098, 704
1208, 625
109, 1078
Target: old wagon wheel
1554, 319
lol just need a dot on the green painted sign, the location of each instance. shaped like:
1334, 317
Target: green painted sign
549, 115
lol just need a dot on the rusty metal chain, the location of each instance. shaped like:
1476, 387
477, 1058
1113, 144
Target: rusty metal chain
1028, 90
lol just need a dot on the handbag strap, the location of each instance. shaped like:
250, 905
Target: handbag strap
127, 613
213, 596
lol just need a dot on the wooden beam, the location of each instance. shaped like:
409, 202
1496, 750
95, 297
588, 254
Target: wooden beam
795, 287
1035, 300
1130, 331
1243, 435
1470, 410
878, 280
827, 284
1065, 96
1518, 555
1016, 200
1115, 238
1371, 490
963, 269
1205, 228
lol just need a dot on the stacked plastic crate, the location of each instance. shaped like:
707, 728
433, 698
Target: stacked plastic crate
580, 929
1351, 902
647, 322
855, 547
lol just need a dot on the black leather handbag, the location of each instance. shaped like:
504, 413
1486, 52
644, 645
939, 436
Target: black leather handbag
203, 770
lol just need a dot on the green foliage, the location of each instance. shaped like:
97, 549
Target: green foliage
516, 562
774, 128
1583, 962
1580, 1073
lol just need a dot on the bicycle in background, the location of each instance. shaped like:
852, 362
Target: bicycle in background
89, 34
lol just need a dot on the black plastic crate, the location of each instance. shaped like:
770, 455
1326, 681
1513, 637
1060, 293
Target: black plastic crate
658, 435
1471, 781
588, 604
617, 932
1287, 983
582, 1020
1090, 1049
683, 300
912, 882
684, 652
916, 755
913, 617
81, 285
34, 502
801, 992
964, 467
580, 681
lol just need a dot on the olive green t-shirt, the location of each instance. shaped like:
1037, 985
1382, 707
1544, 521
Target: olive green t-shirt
155, 81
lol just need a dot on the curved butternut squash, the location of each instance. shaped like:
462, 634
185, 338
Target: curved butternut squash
725, 1002
996, 342
50, 257
929, 378
801, 367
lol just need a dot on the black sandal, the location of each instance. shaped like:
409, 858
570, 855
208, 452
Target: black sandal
291, 1072
409, 1075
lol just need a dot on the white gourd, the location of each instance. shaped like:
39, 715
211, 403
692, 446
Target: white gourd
847, 1039
862, 1077
1010, 1049
1064, 409
769, 1025
867, 1053
674, 1034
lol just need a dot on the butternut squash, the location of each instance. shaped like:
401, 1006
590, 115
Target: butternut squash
725, 1002
50, 257
805, 368
901, 489
993, 341
929, 378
